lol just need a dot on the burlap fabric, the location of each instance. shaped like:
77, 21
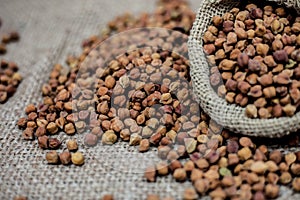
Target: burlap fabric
230, 116
50, 31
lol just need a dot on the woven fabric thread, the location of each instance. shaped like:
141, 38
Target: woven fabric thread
228, 115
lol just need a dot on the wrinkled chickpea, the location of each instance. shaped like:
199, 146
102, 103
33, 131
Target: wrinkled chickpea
77, 158
257, 42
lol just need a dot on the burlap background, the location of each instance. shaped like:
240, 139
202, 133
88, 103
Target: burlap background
51, 30
230, 116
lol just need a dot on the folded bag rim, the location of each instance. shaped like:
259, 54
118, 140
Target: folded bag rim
230, 116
